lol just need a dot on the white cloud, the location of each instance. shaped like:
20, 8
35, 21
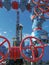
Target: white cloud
5, 32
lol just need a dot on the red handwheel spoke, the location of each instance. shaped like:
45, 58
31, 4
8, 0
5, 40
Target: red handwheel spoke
36, 2
2, 42
4, 56
31, 42
27, 47
34, 49
33, 54
38, 46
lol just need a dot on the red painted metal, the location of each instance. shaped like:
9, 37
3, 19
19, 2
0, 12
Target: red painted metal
1, 5
42, 6
37, 29
1, 54
28, 7
45, 9
15, 52
33, 48
37, 2
15, 5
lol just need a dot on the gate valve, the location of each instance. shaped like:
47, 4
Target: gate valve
4, 56
14, 52
33, 48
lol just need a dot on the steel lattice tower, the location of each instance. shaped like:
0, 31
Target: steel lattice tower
18, 30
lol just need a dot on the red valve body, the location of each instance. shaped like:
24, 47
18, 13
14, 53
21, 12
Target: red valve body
15, 52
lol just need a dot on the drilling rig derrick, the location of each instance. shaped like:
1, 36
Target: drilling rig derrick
18, 32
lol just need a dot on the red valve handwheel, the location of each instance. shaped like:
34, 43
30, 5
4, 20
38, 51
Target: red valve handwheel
37, 2
28, 7
1, 5
42, 7
41, 10
1, 54
36, 13
33, 48
15, 5
45, 9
